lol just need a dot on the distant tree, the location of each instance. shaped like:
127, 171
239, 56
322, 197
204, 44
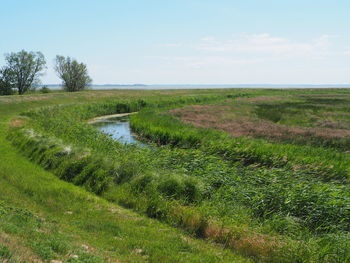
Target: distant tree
23, 69
73, 74
45, 89
6, 82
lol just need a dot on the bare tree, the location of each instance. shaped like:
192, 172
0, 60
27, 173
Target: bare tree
23, 69
73, 74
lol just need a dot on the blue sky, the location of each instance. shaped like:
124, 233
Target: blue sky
186, 41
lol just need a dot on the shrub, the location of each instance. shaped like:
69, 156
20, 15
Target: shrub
45, 89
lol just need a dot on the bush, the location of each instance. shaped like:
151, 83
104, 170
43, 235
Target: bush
45, 89
5, 88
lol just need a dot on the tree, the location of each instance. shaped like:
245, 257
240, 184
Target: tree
24, 68
73, 74
6, 82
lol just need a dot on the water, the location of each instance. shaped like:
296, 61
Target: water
119, 129
204, 86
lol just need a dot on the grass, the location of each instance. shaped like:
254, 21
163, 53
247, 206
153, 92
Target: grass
325, 163
297, 119
73, 222
267, 201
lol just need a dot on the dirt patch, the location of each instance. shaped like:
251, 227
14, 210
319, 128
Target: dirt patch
17, 123
190, 112
5, 100
24, 98
332, 124
35, 98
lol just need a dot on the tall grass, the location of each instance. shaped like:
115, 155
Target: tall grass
165, 129
201, 185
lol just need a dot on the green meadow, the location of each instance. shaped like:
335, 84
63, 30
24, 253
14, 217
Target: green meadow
230, 175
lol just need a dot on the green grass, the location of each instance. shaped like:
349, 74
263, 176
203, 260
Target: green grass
61, 219
265, 201
165, 129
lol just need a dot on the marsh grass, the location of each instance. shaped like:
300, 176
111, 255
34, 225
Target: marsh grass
265, 201
165, 129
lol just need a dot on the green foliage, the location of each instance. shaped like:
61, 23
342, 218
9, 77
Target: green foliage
6, 81
73, 74
5, 88
45, 89
23, 69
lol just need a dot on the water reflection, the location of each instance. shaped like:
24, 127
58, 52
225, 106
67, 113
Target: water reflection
119, 129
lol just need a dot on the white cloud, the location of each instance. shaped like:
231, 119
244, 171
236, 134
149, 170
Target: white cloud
264, 44
205, 61
323, 42
255, 58
245, 49
263, 39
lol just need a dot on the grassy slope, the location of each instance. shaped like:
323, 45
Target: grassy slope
45, 218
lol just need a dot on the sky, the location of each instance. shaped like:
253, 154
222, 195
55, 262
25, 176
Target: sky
186, 41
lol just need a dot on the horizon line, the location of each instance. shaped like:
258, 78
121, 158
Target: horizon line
209, 84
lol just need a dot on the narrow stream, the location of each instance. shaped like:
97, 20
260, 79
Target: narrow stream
119, 129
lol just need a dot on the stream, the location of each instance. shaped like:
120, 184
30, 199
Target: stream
119, 129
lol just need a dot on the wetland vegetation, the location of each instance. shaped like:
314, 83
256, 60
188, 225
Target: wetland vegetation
232, 175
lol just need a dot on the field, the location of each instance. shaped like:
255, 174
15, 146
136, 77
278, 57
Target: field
230, 175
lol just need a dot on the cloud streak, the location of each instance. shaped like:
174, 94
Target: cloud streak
246, 49
264, 44
201, 61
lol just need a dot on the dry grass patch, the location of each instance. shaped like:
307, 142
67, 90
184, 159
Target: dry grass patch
17, 123
19, 252
261, 99
222, 118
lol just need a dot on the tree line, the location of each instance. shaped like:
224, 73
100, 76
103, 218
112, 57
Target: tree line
22, 72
